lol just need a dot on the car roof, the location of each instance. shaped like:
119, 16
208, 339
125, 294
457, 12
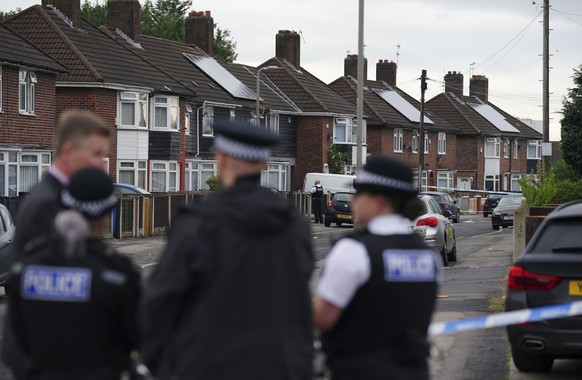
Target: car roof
568, 210
136, 189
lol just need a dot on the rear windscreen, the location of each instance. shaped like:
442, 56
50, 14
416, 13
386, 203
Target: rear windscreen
343, 197
560, 236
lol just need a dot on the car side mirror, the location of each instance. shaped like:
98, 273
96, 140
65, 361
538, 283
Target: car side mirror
448, 213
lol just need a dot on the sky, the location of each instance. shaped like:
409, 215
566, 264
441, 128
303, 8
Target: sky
503, 38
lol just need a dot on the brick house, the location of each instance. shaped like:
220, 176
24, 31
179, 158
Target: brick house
393, 126
144, 107
27, 112
494, 149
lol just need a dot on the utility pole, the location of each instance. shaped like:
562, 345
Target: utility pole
423, 87
360, 89
546, 82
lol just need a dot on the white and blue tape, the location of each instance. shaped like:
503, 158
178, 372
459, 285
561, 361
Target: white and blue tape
536, 314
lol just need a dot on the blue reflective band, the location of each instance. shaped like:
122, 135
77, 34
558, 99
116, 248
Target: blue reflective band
509, 318
64, 284
409, 266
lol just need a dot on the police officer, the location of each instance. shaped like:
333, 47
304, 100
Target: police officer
229, 298
377, 292
317, 193
72, 300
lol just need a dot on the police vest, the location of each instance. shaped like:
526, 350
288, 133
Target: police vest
395, 303
318, 192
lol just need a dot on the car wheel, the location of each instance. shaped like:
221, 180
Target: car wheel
456, 220
528, 362
326, 223
444, 255
495, 228
338, 223
452, 256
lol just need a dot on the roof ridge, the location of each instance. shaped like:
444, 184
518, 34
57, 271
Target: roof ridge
277, 92
69, 43
285, 65
462, 113
365, 101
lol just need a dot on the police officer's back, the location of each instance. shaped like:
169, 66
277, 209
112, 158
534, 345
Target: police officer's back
72, 299
378, 289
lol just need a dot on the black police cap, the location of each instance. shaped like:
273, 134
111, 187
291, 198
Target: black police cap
90, 192
243, 140
386, 175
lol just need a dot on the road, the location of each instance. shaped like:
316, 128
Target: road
483, 259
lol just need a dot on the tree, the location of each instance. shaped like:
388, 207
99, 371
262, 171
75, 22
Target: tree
5, 15
95, 14
572, 124
224, 46
336, 160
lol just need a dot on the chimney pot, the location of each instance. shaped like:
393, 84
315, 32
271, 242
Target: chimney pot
351, 66
454, 83
386, 72
208, 14
479, 87
199, 31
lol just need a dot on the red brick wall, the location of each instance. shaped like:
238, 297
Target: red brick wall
125, 16
36, 130
199, 31
312, 147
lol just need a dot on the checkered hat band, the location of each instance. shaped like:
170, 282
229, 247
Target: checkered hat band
368, 178
241, 150
91, 208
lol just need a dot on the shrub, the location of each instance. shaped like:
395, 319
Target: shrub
570, 190
212, 182
540, 189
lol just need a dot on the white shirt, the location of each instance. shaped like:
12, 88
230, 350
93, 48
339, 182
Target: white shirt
348, 264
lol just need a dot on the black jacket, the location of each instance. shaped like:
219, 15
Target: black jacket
230, 297
83, 319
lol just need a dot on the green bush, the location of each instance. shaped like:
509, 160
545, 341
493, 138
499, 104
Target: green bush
570, 190
539, 189
212, 182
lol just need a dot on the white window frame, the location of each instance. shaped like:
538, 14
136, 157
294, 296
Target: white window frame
495, 144
415, 139
138, 169
398, 140
13, 163
232, 115
506, 148
139, 101
442, 143
514, 186
426, 143
343, 121
515, 149
446, 177
537, 145
494, 178
169, 169
279, 170
273, 122
171, 106
26, 91
196, 173
208, 121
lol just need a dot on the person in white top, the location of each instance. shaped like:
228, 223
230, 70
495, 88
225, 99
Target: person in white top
377, 293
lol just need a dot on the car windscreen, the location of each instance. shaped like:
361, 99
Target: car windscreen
436, 197
343, 197
560, 236
507, 201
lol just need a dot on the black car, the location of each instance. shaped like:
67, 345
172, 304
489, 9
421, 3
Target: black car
447, 203
339, 209
490, 203
7, 231
502, 215
548, 273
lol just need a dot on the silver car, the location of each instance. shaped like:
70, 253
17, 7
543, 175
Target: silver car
437, 229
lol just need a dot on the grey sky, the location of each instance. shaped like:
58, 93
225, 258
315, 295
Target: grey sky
436, 35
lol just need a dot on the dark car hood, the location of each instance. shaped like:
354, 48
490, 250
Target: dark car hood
510, 209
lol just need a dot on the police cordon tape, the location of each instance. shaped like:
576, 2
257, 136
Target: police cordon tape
535, 314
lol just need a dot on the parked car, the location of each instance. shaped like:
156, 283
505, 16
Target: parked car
490, 203
502, 215
7, 231
123, 188
437, 229
548, 273
447, 203
339, 209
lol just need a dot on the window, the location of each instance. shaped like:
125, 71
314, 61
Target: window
415, 139
398, 140
515, 149
350, 169
232, 115
133, 109
342, 130
506, 148
442, 148
21, 171
534, 150
164, 177
275, 177
188, 118
273, 122
492, 182
492, 146
424, 182
197, 173
426, 143
445, 180
26, 85
132, 173
515, 186
208, 121
166, 111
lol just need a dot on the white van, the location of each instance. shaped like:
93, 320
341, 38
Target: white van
332, 183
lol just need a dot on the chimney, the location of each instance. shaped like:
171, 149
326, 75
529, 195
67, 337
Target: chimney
386, 72
288, 46
351, 66
479, 87
125, 16
199, 31
70, 8
454, 83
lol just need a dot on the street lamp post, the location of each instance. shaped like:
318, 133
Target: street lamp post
259, 91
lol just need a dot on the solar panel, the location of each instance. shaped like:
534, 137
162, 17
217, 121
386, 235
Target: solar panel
493, 117
401, 105
221, 76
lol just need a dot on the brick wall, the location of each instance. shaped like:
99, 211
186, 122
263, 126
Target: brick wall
36, 130
199, 31
312, 147
125, 16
